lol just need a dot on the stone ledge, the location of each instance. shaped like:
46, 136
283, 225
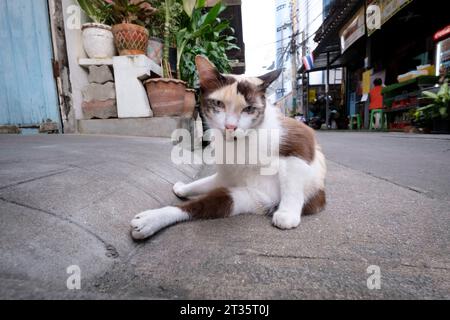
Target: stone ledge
85, 62
144, 127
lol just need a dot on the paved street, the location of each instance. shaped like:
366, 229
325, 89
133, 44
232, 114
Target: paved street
67, 200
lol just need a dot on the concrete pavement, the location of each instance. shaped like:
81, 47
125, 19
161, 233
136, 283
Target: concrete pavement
67, 200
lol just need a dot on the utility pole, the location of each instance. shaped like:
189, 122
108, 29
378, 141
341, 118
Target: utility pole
303, 90
294, 26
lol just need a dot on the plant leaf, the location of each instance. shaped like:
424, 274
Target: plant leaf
429, 94
201, 4
189, 6
213, 13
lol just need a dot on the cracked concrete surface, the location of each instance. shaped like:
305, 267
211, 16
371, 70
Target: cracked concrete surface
67, 200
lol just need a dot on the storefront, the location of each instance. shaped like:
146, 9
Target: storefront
442, 39
403, 53
402, 42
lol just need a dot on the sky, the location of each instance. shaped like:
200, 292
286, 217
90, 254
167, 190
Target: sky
258, 18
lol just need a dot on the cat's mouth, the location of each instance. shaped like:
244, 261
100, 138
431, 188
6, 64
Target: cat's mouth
231, 135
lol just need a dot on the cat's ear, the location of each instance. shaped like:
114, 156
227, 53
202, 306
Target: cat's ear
210, 77
269, 78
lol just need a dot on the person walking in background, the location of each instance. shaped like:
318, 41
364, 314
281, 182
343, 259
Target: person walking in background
376, 99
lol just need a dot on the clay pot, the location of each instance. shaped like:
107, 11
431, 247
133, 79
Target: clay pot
166, 96
189, 103
155, 50
130, 39
98, 41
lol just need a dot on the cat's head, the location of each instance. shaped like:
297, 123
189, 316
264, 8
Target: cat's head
231, 102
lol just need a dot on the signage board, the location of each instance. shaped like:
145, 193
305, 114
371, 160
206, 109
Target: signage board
353, 30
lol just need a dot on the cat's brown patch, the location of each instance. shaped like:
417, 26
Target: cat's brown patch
250, 92
315, 204
298, 140
215, 204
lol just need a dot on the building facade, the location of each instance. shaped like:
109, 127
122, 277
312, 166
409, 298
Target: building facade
394, 41
284, 27
42, 77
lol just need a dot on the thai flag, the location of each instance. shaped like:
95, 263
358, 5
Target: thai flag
308, 62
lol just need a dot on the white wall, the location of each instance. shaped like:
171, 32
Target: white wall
78, 75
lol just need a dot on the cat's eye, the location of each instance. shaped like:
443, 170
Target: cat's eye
217, 103
249, 109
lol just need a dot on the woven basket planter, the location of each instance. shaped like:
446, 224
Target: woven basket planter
166, 96
130, 39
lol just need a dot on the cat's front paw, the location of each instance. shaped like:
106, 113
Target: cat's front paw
179, 189
285, 220
149, 222
142, 225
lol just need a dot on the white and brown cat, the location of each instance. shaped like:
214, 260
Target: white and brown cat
232, 103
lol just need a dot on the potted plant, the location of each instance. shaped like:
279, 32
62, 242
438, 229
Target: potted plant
130, 18
204, 34
98, 40
436, 113
167, 95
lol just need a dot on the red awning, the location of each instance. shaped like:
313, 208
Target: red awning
442, 34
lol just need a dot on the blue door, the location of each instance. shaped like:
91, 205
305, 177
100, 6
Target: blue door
28, 93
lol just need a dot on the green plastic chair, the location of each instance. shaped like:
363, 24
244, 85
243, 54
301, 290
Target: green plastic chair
358, 121
383, 119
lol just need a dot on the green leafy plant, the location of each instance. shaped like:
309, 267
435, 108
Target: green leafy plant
156, 25
131, 11
438, 109
98, 11
165, 25
203, 34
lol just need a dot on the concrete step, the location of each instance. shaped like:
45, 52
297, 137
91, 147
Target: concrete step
145, 127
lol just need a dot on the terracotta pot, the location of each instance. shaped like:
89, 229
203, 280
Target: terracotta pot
189, 103
98, 40
166, 96
130, 39
155, 50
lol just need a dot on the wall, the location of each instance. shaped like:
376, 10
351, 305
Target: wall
77, 75
61, 66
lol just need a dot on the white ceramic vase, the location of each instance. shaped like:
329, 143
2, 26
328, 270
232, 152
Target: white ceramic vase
98, 41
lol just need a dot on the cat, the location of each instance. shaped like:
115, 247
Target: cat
235, 103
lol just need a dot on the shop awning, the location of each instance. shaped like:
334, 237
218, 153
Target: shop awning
328, 34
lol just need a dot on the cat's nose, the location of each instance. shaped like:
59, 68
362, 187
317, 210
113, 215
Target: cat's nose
230, 127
